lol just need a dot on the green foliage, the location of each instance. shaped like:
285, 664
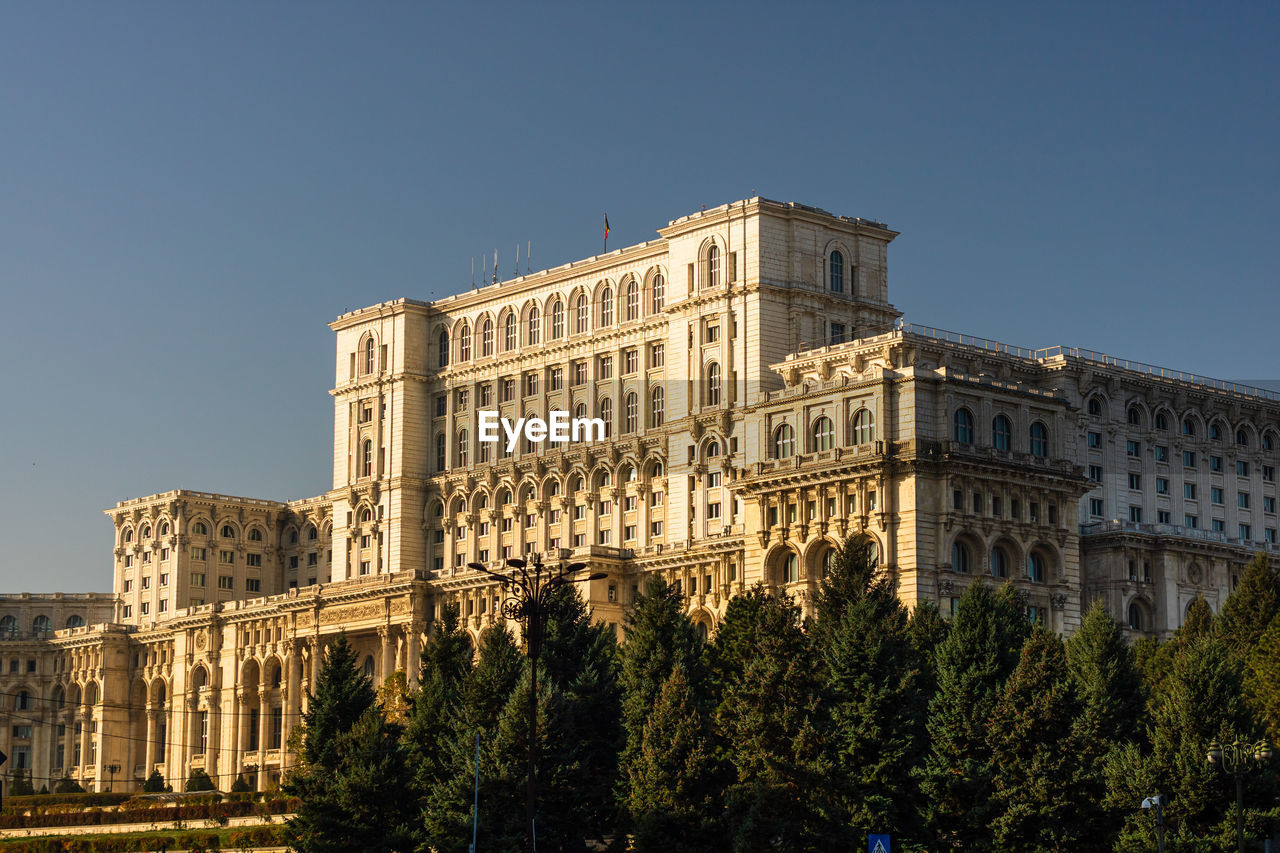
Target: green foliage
767, 721
1251, 607
240, 786
199, 781
67, 785
957, 777
21, 785
867, 656
342, 695
154, 783
1039, 795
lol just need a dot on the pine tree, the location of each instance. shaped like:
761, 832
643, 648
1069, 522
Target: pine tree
154, 783
1262, 679
956, 777
240, 786
659, 636
67, 785
1250, 608
1106, 680
768, 727
928, 630
21, 786
199, 781
672, 791
1040, 795
342, 694
872, 686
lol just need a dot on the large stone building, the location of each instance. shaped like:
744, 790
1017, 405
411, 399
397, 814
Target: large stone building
762, 402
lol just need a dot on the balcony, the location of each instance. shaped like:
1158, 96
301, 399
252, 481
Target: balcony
1176, 531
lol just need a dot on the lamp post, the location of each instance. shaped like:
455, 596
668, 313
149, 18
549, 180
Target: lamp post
113, 769
1157, 802
528, 587
1237, 758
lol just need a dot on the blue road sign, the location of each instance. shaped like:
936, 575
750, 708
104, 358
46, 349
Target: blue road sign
877, 844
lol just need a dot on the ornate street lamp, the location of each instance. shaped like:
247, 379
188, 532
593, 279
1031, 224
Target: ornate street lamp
528, 587
1237, 758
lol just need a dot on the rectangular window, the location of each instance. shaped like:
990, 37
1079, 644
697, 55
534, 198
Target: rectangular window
655, 528
1163, 516
1268, 504
530, 384
1268, 473
579, 540
957, 500
146, 556
1215, 463
1270, 535
604, 536
164, 554
604, 367
1246, 532
1242, 500
226, 556
579, 512
313, 559
657, 355
630, 361
1188, 459
1095, 439
629, 503
128, 586
1033, 512
197, 578
1189, 491
463, 399
364, 567
1242, 468
1135, 481
977, 503
1135, 514
486, 395
1192, 521
1095, 473
164, 605
277, 727
128, 560
442, 405
1162, 453
1219, 526
713, 332
837, 333
253, 585
557, 378
1162, 486
530, 520
1134, 448
656, 499
128, 611
1215, 494
508, 390
629, 533
995, 506
713, 511
253, 560
225, 582
366, 540
579, 373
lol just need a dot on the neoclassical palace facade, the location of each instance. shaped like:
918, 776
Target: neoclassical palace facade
761, 401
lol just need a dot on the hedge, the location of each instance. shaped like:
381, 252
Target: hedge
238, 839
138, 813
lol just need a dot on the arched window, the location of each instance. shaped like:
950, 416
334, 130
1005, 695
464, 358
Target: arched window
164, 528
632, 301
713, 266
1035, 567
41, 625
828, 561
199, 529
824, 434
1268, 442
75, 621
1242, 438
127, 536
581, 314
606, 307
486, 337
509, 332
713, 384
999, 563
1095, 407
1001, 433
606, 415
368, 667
1134, 416
464, 343
1188, 426
630, 413
255, 534
1162, 421
368, 355
1039, 440
535, 326
557, 320
9, 627
462, 448
443, 350
312, 534
1135, 617
146, 531
784, 442
960, 561
441, 457
580, 411
864, 427
659, 293
837, 272
228, 532
790, 569
1215, 431
962, 430
656, 402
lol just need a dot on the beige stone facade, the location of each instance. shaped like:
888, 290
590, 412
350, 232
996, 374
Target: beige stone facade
764, 402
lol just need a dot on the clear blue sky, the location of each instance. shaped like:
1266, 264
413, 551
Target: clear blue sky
190, 192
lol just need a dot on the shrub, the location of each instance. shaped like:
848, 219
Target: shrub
154, 783
199, 781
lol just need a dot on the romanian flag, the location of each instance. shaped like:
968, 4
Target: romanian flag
606, 226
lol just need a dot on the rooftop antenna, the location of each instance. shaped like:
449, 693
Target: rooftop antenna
495, 266
517, 259
484, 268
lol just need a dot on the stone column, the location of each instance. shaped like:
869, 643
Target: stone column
413, 652
385, 664
264, 723
150, 751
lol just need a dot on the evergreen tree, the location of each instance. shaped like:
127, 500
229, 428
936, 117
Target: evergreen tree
1262, 679
21, 786
672, 792
872, 685
342, 695
1250, 608
240, 786
67, 785
768, 727
1040, 796
1107, 683
199, 781
928, 630
956, 777
154, 783
1156, 660
361, 802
